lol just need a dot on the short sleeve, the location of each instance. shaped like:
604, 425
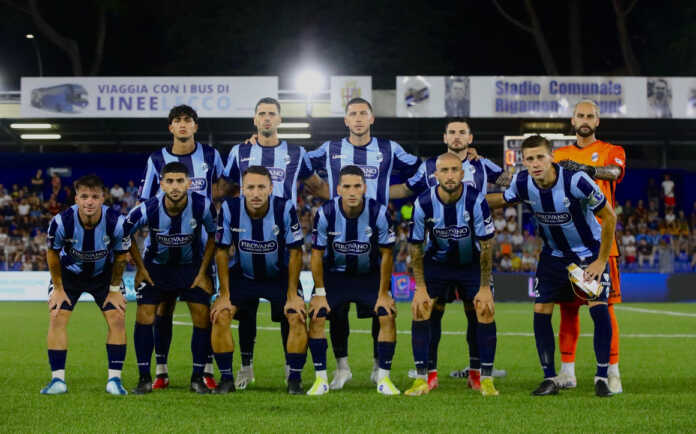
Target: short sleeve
223, 233
386, 236
136, 218
582, 187
210, 217
617, 157
305, 165
417, 232
403, 160
512, 194
219, 169
493, 171
293, 231
56, 233
418, 183
122, 242
231, 171
149, 184
319, 235
483, 223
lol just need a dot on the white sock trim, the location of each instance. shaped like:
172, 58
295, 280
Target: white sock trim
114, 373
60, 374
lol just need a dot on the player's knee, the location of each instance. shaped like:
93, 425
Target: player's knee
294, 319
544, 308
60, 321
145, 314
116, 323
387, 323
316, 326
166, 308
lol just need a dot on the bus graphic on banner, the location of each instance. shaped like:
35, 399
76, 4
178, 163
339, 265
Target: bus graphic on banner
63, 98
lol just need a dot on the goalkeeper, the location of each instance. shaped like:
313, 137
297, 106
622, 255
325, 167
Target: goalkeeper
564, 203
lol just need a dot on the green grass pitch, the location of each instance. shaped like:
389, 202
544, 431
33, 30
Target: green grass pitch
658, 349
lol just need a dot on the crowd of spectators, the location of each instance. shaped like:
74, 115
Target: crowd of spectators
652, 234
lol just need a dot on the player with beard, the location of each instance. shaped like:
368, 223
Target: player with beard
606, 164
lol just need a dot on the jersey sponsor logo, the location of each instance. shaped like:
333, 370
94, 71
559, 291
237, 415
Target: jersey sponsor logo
338, 157
351, 247
333, 234
277, 174
88, 256
125, 243
198, 184
262, 247
238, 230
244, 160
452, 232
553, 218
174, 240
371, 172
595, 156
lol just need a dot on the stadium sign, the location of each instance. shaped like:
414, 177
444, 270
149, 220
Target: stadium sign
127, 97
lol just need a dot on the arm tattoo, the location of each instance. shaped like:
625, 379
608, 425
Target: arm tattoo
416, 253
504, 179
486, 259
608, 173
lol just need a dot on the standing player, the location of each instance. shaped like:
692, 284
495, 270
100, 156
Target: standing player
377, 157
81, 243
287, 164
457, 219
205, 166
352, 255
260, 227
177, 267
564, 203
478, 172
606, 164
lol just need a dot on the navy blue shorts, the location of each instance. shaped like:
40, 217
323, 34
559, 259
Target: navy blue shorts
444, 281
97, 287
171, 281
552, 284
342, 289
245, 294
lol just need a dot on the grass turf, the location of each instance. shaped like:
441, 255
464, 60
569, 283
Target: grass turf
658, 379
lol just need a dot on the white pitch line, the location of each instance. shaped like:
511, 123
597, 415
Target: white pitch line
659, 312
453, 333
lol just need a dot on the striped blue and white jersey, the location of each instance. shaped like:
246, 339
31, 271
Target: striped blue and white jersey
564, 213
453, 229
287, 163
377, 159
173, 240
87, 252
260, 245
477, 172
204, 165
352, 244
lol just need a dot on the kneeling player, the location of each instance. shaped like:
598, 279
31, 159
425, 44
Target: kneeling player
564, 203
353, 243
458, 221
81, 243
176, 266
260, 227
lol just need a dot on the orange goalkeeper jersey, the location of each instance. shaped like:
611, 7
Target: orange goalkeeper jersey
597, 154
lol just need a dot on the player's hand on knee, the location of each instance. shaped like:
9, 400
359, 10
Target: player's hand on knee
296, 306
117, 300
316, 304
204, 282
483, 301
221, 304
385, 302
421, 304
56, 299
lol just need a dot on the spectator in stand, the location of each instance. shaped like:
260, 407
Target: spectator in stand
52, 206
505, 263
670, 217
646, 252
499, 220
23, 208
515, 263
37, 183
510, 212
628, 209
640, 212
652, 191
618, 210
665, 255
129, 200
117, 193
692, 217
668, 191
132, 189
55, 183
630, 252
517, 240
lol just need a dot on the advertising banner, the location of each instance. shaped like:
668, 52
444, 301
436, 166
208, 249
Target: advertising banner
346, 87
151, 97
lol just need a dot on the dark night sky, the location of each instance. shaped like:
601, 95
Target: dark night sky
382, 39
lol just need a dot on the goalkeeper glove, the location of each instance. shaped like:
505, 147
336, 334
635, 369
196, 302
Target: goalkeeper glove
577, 167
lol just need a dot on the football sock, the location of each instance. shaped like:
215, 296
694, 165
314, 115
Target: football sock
487, 340
56, 358
224, 362
614, 353
613, 369
199, 349
209, 368
568, 368
472, 339
339, 330
546, 346
296, 362
284, 333
342, 363
163, 340
375, 337
602, 337
435, 334
420, 341
144, 344
116, 354
247, 338
386, 354
569, 331
318, 350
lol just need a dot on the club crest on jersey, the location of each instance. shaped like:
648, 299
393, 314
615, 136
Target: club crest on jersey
379, 157
368, 231
204, 167
106, 240
193, 223
553, 218
595, 156
466, 215
452, 232
351, 247
287, 159
259, 247
566, 202
277, 174
370, 172
275, 229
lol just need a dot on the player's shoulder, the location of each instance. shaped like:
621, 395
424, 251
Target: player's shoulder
375, 207
281, 204
67, 215
425, 199
111, 216
328, 208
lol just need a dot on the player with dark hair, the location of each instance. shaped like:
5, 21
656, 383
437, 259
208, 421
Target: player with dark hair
287, 164
177, 266
456, 218
606, 164
352, 255
378, 158
478, 172
260, 227
205, 167
82, 241
565, 203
